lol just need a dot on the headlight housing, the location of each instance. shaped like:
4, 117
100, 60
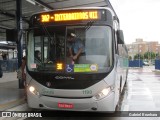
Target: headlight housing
33, 90
103, 93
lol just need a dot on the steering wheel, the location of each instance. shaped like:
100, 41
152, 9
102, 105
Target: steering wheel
50, 62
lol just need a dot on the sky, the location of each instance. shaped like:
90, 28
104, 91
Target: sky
138, 19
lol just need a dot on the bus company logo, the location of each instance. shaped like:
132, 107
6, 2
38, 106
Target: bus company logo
64, 77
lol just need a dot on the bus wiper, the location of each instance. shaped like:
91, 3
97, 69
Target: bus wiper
46, 31
41, 67
89, 24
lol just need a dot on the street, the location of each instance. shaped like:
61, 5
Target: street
142, 92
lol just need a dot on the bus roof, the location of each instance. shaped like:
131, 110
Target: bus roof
106, 5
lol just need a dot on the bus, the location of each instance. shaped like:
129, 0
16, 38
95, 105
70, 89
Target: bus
55, 82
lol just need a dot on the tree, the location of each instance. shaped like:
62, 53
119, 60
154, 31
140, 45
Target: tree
130, 58
149, 55
138, 56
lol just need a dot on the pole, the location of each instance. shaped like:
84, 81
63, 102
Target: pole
138, 55
19, 39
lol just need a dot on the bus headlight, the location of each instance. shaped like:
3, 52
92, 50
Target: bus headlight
102, 93
33, 90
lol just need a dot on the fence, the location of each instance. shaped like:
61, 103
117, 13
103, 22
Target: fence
9, 65
157, 64
136, 63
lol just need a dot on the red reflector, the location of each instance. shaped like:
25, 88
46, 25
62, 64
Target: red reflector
65, 105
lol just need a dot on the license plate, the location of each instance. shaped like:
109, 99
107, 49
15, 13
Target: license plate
65, 105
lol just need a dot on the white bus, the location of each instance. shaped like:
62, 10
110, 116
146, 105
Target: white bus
95, 83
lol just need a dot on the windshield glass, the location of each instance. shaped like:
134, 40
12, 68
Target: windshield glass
70, 49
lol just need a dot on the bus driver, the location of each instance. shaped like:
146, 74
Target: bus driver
76, 47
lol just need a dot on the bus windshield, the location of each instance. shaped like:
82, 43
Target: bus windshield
49, 49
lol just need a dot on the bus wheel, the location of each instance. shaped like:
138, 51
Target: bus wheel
126, 78
119, 99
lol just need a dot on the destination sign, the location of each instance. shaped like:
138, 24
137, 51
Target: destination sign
70, 16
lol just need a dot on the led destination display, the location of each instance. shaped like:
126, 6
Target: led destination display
71, 16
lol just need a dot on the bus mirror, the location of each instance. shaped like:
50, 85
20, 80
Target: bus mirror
120, 37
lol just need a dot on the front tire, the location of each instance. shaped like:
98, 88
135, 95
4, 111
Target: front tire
119, 99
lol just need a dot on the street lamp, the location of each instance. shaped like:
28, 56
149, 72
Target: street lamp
148, 52
139, 51
131, 51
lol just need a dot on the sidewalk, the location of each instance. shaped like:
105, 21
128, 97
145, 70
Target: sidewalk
9, 76
10, 94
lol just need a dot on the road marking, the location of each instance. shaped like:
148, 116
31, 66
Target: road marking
22, 107
2, 106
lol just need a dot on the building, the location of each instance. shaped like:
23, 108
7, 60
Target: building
141, 47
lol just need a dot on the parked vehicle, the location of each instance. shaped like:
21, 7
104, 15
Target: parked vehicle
145, 63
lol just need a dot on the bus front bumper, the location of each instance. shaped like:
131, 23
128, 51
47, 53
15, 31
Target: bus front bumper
71, 104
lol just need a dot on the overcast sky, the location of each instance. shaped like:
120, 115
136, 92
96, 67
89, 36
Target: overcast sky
139, 19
